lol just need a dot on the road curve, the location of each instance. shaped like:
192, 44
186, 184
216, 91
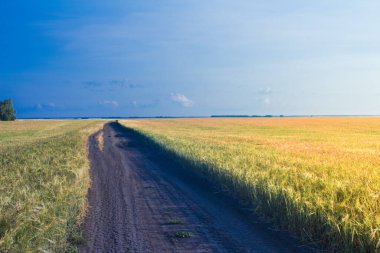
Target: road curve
136, 205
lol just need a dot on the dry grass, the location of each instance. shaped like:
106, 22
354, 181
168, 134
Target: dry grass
318, 177
100, 141
43, 184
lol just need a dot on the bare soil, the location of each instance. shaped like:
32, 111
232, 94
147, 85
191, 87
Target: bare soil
136, 204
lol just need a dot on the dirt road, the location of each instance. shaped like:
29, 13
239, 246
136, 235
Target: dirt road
137, 205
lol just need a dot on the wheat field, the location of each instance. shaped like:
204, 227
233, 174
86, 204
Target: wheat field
317, 177
43, 184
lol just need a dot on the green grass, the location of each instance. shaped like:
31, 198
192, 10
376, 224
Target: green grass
183, 234
174, 222
43, 184
317, 177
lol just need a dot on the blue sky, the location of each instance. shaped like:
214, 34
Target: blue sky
190, 57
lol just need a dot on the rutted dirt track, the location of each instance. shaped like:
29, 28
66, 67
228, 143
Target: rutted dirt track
136, 205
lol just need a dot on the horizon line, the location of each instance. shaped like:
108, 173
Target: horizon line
210, 116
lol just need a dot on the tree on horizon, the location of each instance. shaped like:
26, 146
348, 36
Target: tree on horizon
7, 112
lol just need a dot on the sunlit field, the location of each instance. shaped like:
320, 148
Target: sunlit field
318, 177
43, 184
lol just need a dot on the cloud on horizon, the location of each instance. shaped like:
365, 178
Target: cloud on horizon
181, 99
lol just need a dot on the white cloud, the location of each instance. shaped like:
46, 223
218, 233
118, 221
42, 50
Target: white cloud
181, 99
267, 101
112, 103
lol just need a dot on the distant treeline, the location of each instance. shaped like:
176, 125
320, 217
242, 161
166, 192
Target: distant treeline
245, 116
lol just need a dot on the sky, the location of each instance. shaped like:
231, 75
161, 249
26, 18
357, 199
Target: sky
95, 58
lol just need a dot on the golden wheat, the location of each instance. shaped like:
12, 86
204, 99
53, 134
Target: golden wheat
318, 177
43, 184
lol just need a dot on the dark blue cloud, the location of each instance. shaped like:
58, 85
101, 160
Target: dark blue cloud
111, 85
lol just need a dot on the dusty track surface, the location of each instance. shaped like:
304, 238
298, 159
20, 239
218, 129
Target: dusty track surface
137, 205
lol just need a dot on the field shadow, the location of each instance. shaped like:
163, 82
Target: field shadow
211, 185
